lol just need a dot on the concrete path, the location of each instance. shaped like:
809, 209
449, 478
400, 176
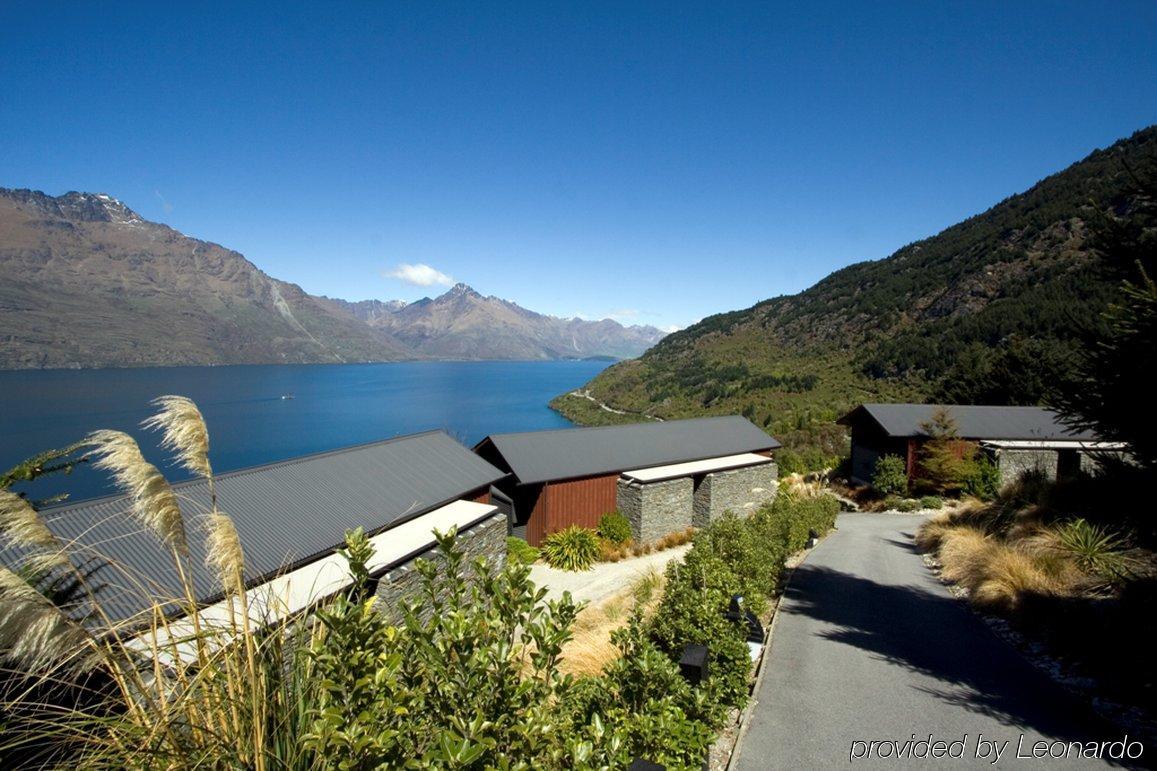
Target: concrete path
605, 578
869, 646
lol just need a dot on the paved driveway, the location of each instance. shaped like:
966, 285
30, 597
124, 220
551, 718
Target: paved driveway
868, 646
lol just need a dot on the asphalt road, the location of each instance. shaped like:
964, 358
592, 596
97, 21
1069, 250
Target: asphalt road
869, 646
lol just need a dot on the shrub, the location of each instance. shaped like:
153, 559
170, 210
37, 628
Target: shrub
519, 552
575, 548
1095, 550
908, 505
982, 478
615, 527
890, 476
931, 502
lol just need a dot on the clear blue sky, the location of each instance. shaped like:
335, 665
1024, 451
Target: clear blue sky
660, 163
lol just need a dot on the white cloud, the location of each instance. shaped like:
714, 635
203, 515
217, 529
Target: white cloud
671, 328
623, 313
420, 275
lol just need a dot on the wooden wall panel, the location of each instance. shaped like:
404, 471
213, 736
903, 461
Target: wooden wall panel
530, 506
580, 501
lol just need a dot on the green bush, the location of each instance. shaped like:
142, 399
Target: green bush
388, 696
890, 476
908, 505
519, 552
1096, 551
575, 548
615, 527
982, 479
931, 502
804, 461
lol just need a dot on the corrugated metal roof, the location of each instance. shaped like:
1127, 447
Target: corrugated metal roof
541, 456
973, 421
286, 513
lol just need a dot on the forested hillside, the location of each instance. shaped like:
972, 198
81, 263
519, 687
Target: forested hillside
991, 310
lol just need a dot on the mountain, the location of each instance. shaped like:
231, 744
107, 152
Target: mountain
89, 283
462, 324
990, 310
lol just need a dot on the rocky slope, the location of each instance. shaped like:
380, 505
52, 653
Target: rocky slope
89, 283
989, 310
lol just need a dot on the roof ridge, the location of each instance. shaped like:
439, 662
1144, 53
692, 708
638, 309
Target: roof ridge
247, 470
567, 429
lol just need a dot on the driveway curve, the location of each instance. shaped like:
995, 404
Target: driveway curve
869, 647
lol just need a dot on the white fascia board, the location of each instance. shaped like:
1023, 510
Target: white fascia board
692, 468
295, 591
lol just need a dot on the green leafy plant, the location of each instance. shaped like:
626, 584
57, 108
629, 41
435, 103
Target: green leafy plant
890, 476
519, 552
982, 478
907, 505
615, 527
575, 548
1096, 550
931, 502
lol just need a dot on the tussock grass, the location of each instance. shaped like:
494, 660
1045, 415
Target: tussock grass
590, 648
1006, 551
616, 552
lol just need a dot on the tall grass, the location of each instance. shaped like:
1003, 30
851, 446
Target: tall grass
178, 690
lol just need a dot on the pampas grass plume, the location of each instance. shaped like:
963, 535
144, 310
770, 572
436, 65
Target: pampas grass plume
154, 503
33, 631
184, 432
224, 555
22, 527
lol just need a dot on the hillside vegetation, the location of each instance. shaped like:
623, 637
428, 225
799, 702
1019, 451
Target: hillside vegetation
991, 310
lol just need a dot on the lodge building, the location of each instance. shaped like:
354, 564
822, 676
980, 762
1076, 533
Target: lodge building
664, 476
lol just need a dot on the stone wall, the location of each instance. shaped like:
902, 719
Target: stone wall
656, 509
1014, 463
485, 539
738, 490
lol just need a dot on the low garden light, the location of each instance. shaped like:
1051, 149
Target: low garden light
693, 664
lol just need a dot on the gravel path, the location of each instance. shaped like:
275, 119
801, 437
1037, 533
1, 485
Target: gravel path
868, 645
605, 578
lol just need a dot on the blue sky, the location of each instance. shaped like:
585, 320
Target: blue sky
658, 163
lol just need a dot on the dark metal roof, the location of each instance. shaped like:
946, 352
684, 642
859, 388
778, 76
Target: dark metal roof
973, 421
541, 456
287, 514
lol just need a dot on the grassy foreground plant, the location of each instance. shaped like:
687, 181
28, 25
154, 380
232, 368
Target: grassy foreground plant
575, 548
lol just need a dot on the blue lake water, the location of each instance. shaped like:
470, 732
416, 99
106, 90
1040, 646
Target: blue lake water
249, 423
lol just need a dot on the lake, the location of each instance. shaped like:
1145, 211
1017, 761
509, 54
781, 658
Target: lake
333, 405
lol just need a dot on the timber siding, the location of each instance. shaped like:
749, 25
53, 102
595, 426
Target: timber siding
556, 506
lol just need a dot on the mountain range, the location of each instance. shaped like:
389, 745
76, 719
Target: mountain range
89, 283
991, 310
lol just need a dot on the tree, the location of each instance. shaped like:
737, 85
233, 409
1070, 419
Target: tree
945, 459
1109, 392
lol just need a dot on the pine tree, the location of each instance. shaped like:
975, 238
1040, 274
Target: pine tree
1111, 387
